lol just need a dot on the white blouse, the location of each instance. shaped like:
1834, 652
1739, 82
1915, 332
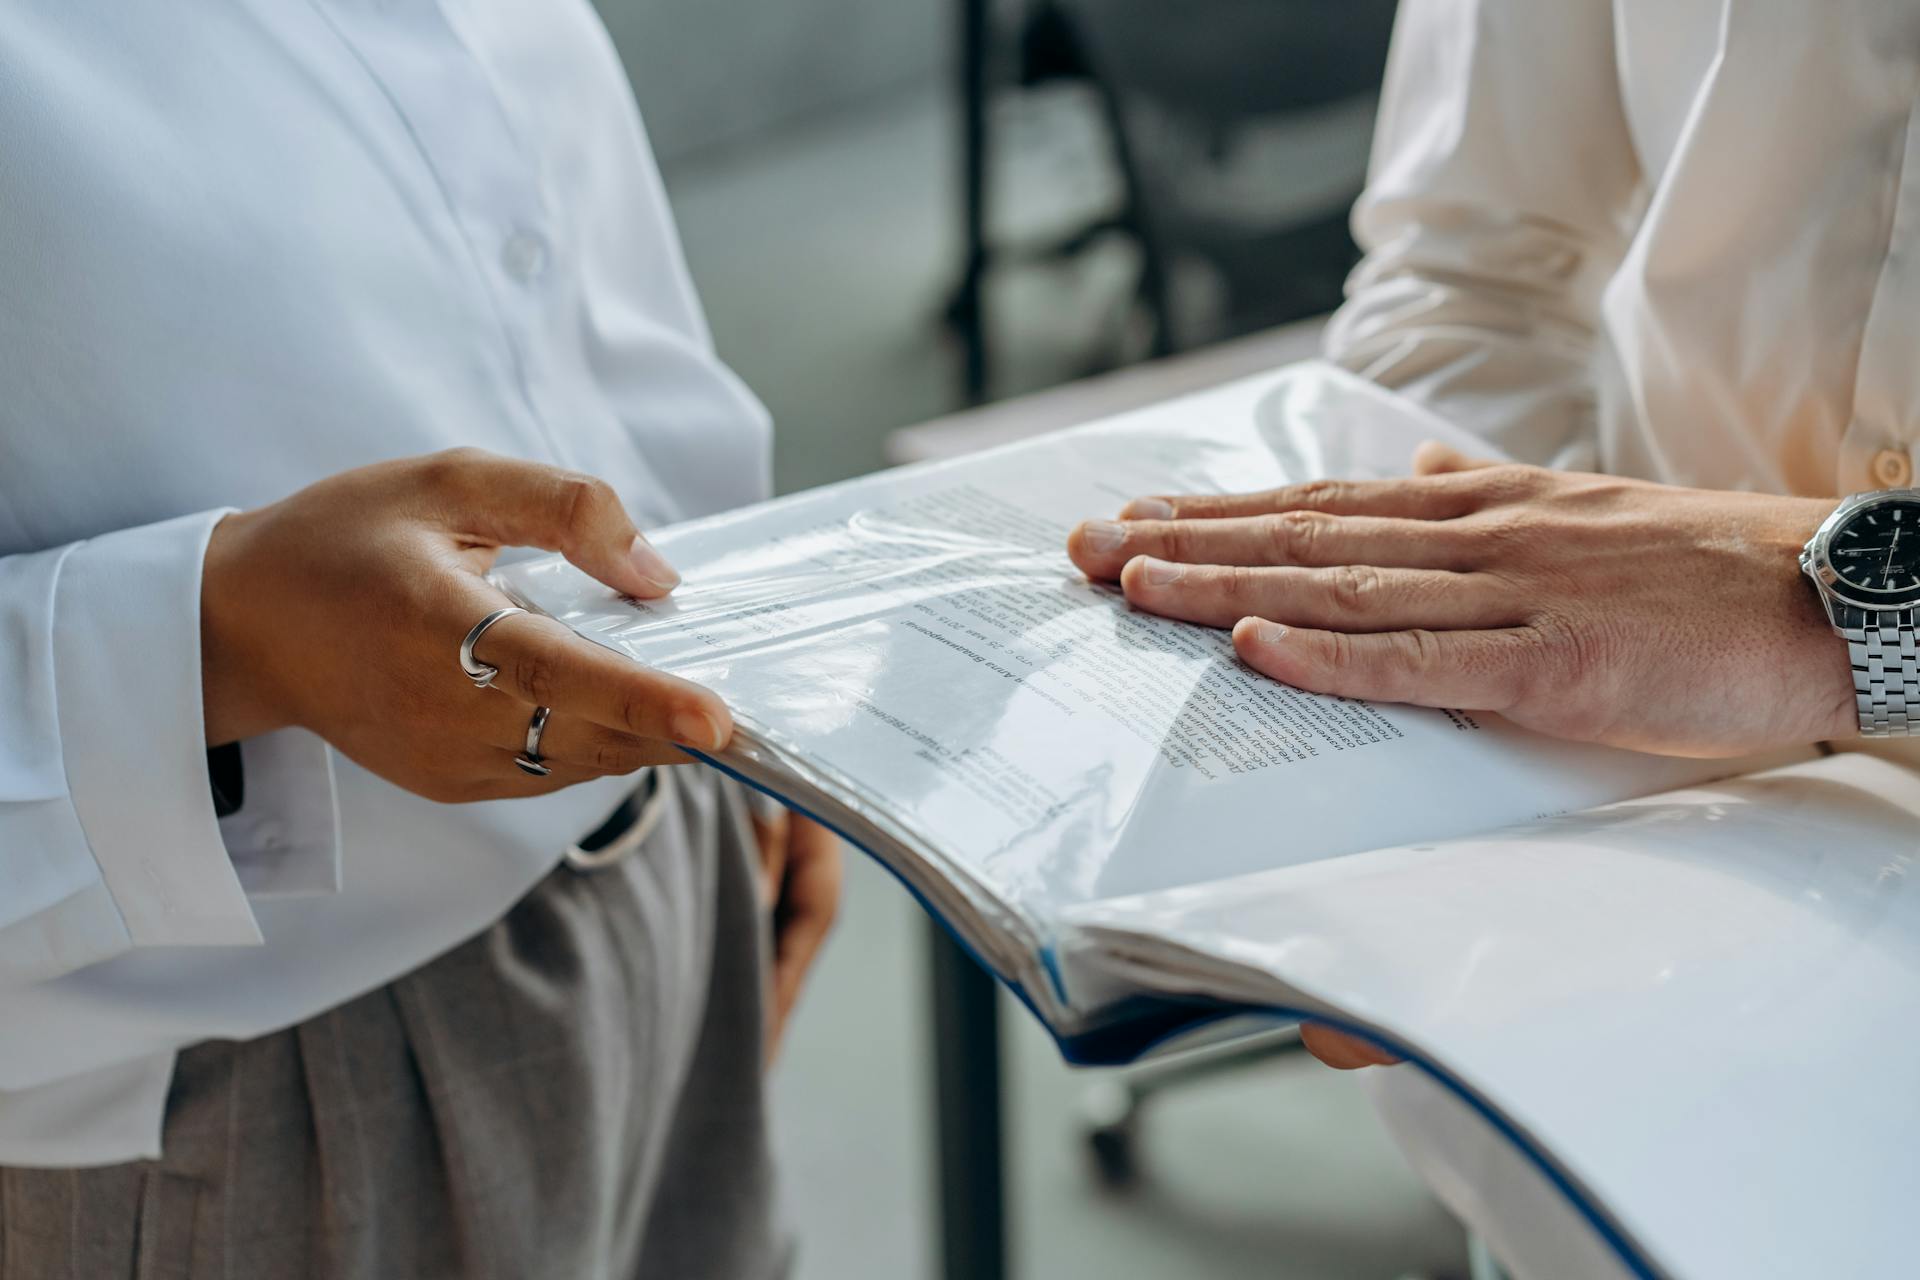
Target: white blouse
242, 247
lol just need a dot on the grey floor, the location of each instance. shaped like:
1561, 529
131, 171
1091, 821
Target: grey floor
822, 256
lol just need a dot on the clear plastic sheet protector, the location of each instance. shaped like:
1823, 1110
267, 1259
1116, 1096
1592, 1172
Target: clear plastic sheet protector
1135, 832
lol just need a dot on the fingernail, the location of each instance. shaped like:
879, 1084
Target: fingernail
696, 729
1103, 535
1260, 631
1148, 509
1159, 573
651, 565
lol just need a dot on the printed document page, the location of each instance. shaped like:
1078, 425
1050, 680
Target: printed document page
921, 638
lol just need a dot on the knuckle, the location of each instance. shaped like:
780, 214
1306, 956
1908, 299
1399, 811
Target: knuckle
1319, 495
1540, 667
1592, 656
636, 714
1178, 541
1503, 587
1560, 645
1340, 652
581, 500
606, 759
1237, 584
1418, 649
1504, 530
443, 469
1509, 482
533, 674
1291, 535
1354, 588
613, 755
1607, 492
1221, 584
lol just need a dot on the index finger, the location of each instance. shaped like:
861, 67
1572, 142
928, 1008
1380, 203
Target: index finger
545, 664
1303, 538
507, 502
1436, 497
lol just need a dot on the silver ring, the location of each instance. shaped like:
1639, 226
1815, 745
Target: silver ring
479, 672
528, 761
535, 728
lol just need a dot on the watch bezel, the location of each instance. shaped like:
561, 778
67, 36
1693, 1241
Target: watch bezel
1818, 563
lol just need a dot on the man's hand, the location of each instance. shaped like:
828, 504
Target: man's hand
1583, 606
801, 868
1605, 610
341, 609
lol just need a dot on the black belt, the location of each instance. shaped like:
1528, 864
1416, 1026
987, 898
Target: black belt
625, 829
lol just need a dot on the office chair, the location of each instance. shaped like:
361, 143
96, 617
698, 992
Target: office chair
1190, 94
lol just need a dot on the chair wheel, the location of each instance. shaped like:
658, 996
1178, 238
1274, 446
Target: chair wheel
1112, 1149
1109, 1116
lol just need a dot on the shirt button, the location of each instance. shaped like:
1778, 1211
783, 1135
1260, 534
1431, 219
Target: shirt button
1892, 469
524, 256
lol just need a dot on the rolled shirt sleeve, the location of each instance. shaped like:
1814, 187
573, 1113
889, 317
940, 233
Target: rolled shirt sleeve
108, 837
1500, 195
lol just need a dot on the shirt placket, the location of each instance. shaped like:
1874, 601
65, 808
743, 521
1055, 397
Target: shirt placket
489, 178
1878, 449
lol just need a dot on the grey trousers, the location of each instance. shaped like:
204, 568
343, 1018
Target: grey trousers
575, 1093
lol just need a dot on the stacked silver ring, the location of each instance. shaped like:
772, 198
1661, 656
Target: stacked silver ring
482, 675
479, 672
529, 760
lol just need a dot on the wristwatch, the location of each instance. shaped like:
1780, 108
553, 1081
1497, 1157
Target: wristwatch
1865, 562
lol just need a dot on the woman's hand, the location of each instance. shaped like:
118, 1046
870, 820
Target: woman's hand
341, 610
801, 870
1583, 606
1341, 1051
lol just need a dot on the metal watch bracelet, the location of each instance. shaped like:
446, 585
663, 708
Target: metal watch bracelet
1886, 667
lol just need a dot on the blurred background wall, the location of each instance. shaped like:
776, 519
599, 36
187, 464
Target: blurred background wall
812, 151
716, 73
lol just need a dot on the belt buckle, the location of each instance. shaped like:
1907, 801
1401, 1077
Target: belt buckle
624, 831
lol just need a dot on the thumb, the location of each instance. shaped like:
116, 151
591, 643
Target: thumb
506, 502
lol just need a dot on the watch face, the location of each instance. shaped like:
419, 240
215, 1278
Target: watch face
1877, 552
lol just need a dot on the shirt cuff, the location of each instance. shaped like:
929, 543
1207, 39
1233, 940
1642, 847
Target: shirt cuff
285, 839
126, 643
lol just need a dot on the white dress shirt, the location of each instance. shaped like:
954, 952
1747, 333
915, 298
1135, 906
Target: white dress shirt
1677, 239
1671, 238
242, 247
